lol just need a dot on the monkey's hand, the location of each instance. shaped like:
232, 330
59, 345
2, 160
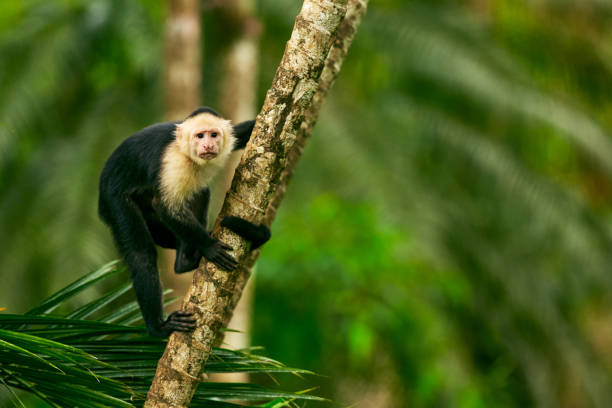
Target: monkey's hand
216, 254
177, 321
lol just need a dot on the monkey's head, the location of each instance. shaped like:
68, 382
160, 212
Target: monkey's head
204, 136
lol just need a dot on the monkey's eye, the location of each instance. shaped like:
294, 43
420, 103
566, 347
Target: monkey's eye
213, 134
200, 135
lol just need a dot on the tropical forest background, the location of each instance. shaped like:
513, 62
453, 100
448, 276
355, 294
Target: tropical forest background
446, 240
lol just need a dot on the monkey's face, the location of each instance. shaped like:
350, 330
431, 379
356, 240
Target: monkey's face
206, 143
204, 137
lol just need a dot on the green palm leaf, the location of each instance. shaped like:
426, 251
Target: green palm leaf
69, 361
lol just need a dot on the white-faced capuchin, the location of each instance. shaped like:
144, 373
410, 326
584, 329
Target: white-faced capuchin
154, 190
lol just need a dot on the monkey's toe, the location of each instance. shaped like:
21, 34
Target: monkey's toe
182, 327
184, 318
180, 321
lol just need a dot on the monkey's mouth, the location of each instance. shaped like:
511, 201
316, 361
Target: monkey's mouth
207, 155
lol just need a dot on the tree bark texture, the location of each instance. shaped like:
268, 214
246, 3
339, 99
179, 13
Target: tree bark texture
347, 29
238, 96
288, 115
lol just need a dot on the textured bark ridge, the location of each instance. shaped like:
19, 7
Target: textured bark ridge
345, 33
321, 36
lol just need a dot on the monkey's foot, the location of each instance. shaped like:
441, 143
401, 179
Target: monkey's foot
177, 321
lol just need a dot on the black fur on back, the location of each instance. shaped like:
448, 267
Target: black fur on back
135, 164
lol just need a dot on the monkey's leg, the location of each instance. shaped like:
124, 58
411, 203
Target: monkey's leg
161, 235
187, 258
136, 246
256, 234
187, 228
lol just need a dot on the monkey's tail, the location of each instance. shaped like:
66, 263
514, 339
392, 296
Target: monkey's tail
256, 234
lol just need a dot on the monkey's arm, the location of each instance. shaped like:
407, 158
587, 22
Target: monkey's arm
242, 133
188, 228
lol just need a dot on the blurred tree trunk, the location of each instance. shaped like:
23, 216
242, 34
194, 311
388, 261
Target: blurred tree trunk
240, 61
290, 110
238, 94
183, 58
182, 86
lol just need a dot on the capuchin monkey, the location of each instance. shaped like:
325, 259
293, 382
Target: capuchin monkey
154, 190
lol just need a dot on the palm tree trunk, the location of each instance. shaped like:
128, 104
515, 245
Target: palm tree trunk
288, 115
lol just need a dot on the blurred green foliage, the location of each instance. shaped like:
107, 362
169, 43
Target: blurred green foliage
367, 305
446, 238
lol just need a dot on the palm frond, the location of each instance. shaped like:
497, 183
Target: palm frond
70, 361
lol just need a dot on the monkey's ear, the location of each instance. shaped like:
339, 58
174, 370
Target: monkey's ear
179, 131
